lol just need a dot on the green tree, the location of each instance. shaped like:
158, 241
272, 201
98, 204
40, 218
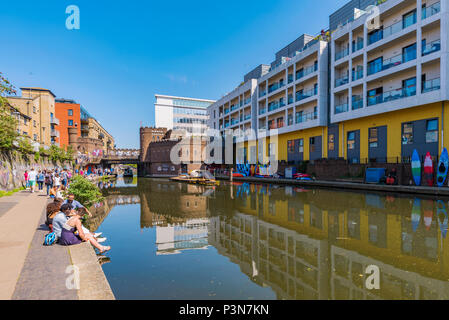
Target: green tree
85, 191
8, 123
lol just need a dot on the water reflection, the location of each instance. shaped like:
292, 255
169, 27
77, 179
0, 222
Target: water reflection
303, 244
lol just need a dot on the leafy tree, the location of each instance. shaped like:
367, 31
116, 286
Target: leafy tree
85, 191
8, 123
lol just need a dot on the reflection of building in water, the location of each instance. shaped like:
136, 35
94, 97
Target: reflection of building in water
165, 203
101, 210
191, 234
177, 211
317, 244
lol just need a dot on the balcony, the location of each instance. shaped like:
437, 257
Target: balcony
234, 122
275, 86
247, 117
392, 95
341, 81
356, 75
356, 46
234, 107
432, 10
357, 102
341, 54
290, 99
226, 111
275, 105
54, 133
262, 94
262, 111
304, 95
391, 30
431, 85
247, 101
54, 121
290, 78
305, 72
305, 117
377, 67
341, 108
431, 47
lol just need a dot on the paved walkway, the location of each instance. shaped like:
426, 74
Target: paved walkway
31, 271
19, 216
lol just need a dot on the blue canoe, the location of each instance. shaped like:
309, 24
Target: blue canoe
443, 166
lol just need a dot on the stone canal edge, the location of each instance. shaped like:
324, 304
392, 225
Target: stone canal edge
31, 271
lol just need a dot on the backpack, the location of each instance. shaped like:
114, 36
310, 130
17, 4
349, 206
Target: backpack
50, 239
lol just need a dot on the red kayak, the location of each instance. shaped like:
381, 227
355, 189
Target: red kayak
428, 169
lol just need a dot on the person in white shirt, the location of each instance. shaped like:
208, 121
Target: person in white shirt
32, 179
57, 181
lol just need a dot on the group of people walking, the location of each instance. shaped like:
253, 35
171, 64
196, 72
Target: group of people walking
54, 180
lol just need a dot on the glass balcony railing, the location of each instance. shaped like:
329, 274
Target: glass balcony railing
391, 62
262, 94
246, 117
341, 81
306, 94
305, 72
275, 86
304, 117
226, 111
357, 46
393, 29
392, 95
341, 108
431, 47
226, 125
275, 105
356, 75
290, 78
290, 99
341, 54
234, 122
431, 85
234, 107
357, 102
247, 101
262, 111
432, 10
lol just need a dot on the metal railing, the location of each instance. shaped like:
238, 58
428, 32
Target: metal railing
306, 71
392, 95
262, 111
432, 47
432, 10
357, 46
305, 117
341, 54
393, 29
341, 81
306, 94
357, 102
275, 86
341, 108
356, 75
431, 85
391, 62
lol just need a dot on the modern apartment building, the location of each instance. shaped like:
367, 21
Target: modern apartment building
389, 83
373, 88
181, 114
39, 105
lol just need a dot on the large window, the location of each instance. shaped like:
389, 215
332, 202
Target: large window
375, 65
432, 131
70, 112
373, 137
407, 133
70, 123
290, 146
351, 140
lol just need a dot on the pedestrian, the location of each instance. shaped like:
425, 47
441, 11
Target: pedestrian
32, 175
40, 180
57, 181
48, 181
25, 175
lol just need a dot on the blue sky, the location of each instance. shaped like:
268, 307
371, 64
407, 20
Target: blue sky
127, 51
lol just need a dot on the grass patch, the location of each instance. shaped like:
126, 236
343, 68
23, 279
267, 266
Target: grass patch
10, 193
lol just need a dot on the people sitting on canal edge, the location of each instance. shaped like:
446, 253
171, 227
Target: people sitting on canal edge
70, 231
53, 208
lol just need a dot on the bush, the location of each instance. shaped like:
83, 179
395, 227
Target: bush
85, 191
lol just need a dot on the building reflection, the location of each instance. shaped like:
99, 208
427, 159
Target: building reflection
178, 212
318, 244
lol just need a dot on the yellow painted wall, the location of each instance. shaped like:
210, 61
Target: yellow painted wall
303, 134
393, 121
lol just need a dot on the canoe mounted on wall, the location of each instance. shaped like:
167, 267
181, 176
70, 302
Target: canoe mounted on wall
442, 169
416, 168
428, 169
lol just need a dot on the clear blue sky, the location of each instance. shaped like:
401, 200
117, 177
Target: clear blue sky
127, 51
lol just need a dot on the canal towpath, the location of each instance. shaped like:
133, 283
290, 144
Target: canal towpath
31, 271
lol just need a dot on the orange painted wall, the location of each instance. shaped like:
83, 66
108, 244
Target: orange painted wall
62, 113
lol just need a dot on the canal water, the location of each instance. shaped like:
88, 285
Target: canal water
246, 241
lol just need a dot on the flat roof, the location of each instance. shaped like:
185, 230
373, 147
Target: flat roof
38, 89
183, 98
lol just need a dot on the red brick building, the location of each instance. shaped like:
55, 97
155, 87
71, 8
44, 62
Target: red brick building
68, 112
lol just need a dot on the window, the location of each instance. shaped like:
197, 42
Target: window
409, 87
409, 19
34, 109
432, 131
70, 123
34, 123
409, 53
373, 138
35, 137
290, 146
331, 142
375, 65
407, 133
351, 140
301, 145
214, 114
312, 144
70, 111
